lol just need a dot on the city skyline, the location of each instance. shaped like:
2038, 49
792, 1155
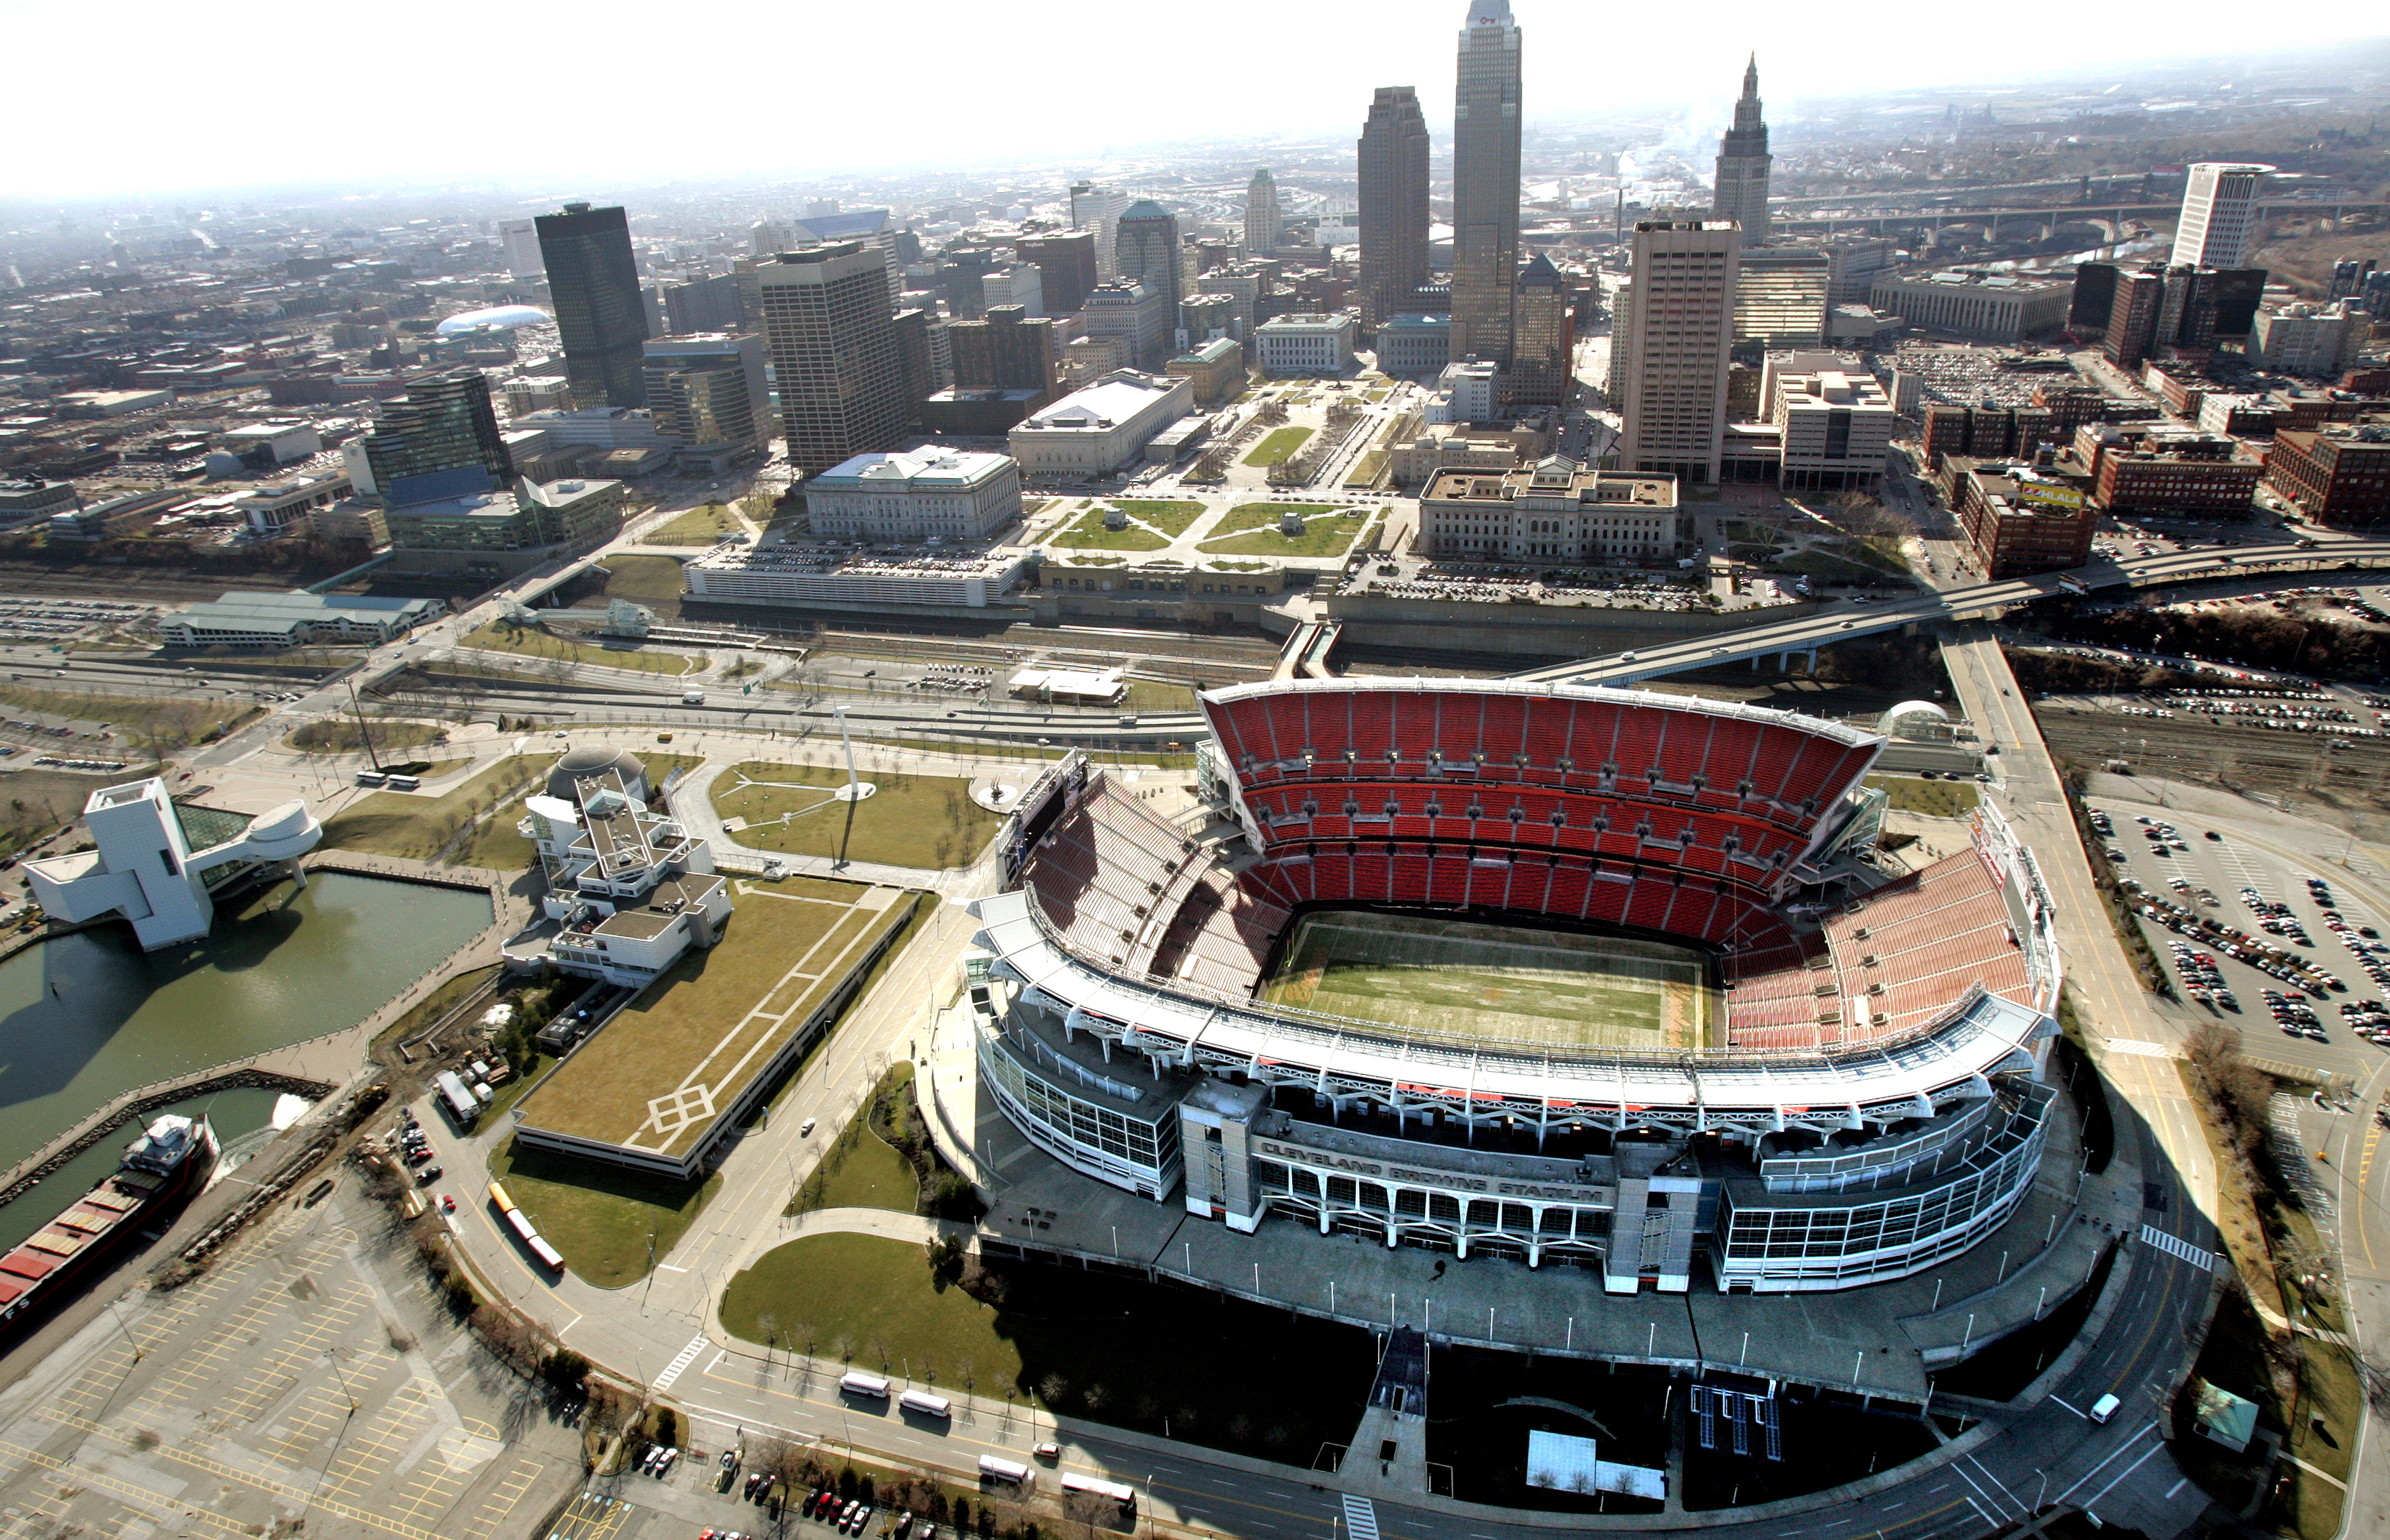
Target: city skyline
1404, 44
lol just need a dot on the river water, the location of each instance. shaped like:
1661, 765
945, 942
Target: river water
88, 1015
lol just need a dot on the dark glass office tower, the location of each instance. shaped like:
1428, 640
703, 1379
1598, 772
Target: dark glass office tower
1394, 202
1485, 183
594, 282
439, 439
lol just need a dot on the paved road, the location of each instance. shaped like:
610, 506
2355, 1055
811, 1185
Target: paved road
1853, 619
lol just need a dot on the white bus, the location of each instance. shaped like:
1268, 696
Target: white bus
993, 1469
1124, 1495
926, 1403
858, 1383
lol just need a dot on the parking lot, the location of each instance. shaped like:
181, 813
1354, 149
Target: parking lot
2296, 973
308, 1379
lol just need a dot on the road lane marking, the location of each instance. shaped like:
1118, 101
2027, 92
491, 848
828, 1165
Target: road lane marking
2183, 1250
2130, 1468
2120, 1449
687, 1356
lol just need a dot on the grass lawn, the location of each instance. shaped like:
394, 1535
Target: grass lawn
505, 1096
598, 1217
1527, 985
699, 526
1279, 445
1128, 1353
654, 581
1087, 533
912, 820
715, 1014
530, 642
137, 719
1365, 471
863, 1171
339, 735
1935, 799
1833, 567
1251, 529
1154, 695
408, 824
1170, 518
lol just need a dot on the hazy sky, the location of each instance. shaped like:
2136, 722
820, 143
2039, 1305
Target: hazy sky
155, 97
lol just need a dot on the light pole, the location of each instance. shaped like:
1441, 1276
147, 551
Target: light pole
351, 1397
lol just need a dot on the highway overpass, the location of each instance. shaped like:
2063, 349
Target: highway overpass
1859, 618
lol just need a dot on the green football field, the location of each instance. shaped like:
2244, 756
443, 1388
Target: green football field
1453, 978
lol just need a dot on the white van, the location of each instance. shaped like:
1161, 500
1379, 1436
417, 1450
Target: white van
2104, 1409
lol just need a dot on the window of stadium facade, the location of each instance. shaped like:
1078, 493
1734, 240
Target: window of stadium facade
1863, 1101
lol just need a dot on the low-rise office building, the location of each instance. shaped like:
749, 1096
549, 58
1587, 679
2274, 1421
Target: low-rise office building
839, 576
1102, 427
269, 510
246, 619
1306, 344
2338, 476
534, 518
1558, 512
2311, 339
915, 494
1414, 346
1215, 368
2176, 481
2018, 523
1991, 307
1835, 425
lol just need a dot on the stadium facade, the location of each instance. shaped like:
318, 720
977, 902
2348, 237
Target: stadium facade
1865, 1097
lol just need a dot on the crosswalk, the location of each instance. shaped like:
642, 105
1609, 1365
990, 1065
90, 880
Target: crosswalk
2134, 1046
687, 1356
1360, 1518
2174, 1247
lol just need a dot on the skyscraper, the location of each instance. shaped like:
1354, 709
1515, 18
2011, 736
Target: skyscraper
519, 238
1098, 209
1261, 217
834, 351
439, 439
1146, 250
1742, 164
1541, 337
1678, 328
1394, 202
1485, 183
594, 282
2218, 226
1068, 261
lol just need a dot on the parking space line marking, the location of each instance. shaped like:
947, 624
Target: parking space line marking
501, 1502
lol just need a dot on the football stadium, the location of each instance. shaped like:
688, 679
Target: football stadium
1602, 978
